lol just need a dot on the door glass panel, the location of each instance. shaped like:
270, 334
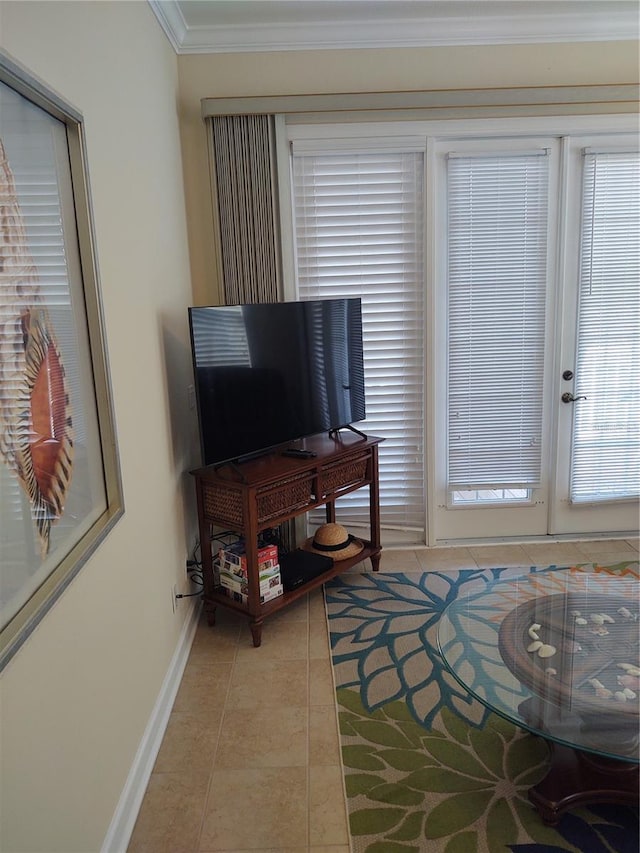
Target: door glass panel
497, 276
605, 458
493, 496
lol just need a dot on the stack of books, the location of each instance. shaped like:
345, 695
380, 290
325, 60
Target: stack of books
230, 573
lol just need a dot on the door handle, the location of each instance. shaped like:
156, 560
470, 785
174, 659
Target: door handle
568, 397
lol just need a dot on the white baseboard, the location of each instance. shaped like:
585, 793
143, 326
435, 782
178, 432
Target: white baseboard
126, 813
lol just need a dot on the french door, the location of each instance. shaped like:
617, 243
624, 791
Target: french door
502, 359
539, 350
598, 453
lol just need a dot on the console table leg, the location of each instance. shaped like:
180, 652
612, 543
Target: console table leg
375, 562
256, 632
210, 613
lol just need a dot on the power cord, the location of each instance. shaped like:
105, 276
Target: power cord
196, 578
194, 570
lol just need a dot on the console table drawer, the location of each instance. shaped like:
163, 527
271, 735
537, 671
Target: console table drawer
285, 497
222, 504
341, 475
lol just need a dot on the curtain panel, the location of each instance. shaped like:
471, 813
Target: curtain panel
245, 181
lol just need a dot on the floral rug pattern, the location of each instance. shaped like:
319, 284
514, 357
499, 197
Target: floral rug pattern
426, 767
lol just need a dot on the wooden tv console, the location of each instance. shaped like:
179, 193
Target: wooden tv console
264, 492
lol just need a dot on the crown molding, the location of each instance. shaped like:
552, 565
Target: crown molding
604, 22
172, 22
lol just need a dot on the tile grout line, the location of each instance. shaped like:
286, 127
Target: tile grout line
336, 724
215, 752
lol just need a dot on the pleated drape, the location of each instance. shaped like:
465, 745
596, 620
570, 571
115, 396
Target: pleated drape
246, 192
243, 152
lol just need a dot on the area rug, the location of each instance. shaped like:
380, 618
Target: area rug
427, 768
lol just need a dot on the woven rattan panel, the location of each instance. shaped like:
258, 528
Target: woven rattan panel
339, 475
222, 504
275, 501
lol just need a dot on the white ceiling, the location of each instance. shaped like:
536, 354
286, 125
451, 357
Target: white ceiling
225, 26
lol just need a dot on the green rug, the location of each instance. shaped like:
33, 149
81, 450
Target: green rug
427, 768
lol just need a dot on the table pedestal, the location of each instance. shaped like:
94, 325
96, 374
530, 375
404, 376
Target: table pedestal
577, 778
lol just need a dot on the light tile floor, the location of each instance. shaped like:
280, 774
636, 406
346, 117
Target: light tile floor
250, 759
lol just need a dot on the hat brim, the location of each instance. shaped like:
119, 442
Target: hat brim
354, 547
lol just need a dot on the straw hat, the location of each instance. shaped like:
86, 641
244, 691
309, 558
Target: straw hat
332, 540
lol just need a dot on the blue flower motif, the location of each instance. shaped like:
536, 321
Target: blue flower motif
383, 631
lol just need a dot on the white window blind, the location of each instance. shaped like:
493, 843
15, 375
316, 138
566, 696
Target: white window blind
359, 232
605, 460
220, 341
497, 271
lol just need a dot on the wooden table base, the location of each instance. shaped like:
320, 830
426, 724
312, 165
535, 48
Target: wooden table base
578, 778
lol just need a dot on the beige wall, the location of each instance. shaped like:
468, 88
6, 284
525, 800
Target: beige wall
384, 70
77, 696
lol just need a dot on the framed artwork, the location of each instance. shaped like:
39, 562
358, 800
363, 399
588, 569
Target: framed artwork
60, 488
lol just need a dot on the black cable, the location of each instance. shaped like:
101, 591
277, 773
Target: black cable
221, 538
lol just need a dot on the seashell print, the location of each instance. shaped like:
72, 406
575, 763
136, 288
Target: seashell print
604, 693
630, 681
36, 436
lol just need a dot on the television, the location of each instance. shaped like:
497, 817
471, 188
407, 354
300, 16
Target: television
268, 374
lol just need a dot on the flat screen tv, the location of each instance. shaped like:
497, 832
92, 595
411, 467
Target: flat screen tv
271, 373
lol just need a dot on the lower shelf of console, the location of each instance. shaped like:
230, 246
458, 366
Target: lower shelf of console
256, 619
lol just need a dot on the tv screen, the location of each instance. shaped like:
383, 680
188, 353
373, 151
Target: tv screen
271, 373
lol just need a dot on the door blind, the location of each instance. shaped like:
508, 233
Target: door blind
359, 232
605, 461
497, 272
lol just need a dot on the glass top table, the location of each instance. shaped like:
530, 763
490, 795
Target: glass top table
558, 654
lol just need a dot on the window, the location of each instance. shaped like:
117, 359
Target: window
359, 232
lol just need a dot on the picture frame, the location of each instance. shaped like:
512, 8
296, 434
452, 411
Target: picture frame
60, 483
